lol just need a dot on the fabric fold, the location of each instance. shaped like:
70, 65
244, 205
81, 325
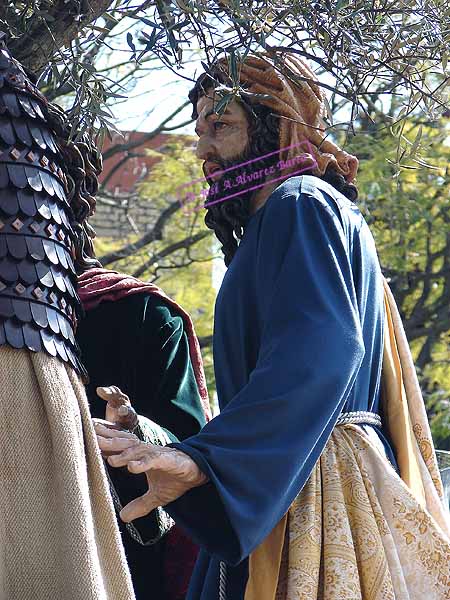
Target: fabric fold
356, 531
394, 406
424, 455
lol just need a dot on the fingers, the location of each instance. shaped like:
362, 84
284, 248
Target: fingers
111, 430
138, 458
138, 508
127, 417
113, 441
139, 466
119, 408
113, 446
96, 422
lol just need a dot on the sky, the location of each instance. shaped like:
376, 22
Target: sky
159, 94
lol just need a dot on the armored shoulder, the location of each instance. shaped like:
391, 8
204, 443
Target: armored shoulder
39, 305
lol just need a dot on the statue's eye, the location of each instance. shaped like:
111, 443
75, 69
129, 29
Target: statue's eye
218, 125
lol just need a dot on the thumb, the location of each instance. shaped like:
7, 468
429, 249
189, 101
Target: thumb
139, 507
105, 392
113, 396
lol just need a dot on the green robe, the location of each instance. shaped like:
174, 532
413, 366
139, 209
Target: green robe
139, 344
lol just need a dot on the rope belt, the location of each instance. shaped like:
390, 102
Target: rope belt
222, 581
359, 417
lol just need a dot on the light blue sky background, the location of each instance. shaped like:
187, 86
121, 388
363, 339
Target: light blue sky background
155, 97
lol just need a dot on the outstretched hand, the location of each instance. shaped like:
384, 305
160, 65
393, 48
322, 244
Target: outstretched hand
170, 472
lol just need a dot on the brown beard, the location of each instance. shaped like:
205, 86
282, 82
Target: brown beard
229, 209
227, 218
241, 177
219, 190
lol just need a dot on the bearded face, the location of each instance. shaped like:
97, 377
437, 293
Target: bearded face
233, 183
223, 146
236, 148
234, 165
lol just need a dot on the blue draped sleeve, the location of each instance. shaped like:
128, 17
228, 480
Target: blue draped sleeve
260, 450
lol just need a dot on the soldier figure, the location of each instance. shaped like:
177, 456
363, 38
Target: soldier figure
58, 533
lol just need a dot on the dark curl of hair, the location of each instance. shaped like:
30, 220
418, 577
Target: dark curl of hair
82, 164
228, 219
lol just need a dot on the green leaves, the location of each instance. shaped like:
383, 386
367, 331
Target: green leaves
340, 4
233, 68
151, 40
358, 47
416, 143
130, 42
221, 106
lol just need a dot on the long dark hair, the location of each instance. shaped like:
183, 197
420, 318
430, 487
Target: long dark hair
228, 219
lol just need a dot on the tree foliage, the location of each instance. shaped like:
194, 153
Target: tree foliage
382, 47
410, 219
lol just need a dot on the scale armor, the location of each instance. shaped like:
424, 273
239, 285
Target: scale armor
39, 305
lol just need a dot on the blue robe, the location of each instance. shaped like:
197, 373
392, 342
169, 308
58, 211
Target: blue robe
298, 338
